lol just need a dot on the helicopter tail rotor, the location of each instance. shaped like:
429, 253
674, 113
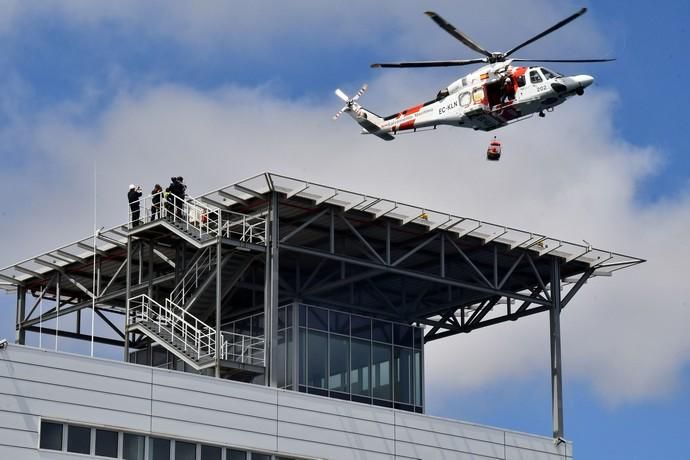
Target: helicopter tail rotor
350, 103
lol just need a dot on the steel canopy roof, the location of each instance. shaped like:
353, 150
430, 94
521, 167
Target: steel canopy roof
241, 194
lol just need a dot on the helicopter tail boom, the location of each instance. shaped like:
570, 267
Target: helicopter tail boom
369, 121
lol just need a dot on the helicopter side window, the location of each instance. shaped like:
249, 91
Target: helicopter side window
534, 77
465, 99
521, 80
478, 95
547, 74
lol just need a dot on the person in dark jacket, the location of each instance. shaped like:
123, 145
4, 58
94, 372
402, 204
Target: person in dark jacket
156, 195
133, 199
177, 192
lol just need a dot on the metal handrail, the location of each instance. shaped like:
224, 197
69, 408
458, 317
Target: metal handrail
197, 336
243, 349
188, 212
250, 228
204, 219
194, 276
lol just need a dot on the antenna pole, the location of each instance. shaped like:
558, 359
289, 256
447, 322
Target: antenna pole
93, 281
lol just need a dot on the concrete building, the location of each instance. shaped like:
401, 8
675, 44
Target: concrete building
273, 317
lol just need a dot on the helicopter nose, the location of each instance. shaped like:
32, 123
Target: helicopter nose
584, 80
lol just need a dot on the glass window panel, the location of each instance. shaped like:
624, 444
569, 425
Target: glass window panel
302, 356
78, 439
212, 453
317, 359
281, 318
317, 318
361, 327
51, 435
534, 77
403, 375
106, 443
303, 315
403, 335
133, 447
236, 454
361, 366
290, 355
418, 369
256, 456
418, 337
243, 326
382, 331
159, 356
381, 371
339, 363
159, 449
288, 316
185, 451
339, 322
257, 325
279, 363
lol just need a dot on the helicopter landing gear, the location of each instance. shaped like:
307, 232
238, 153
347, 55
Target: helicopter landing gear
541, 114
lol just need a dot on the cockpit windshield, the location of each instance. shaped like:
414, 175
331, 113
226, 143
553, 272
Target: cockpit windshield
548, 74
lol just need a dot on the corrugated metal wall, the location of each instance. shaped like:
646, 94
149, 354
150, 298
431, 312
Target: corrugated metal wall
57, 386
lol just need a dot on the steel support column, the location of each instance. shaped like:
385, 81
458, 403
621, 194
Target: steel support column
57, 309
219, 297
272, 289
128, 292
21, 312
556, 365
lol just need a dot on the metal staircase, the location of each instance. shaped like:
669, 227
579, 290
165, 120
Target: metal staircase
178, 324
190, 339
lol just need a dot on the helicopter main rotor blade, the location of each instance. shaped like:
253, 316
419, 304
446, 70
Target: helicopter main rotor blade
448, 27
341, 95
562, 60
429, 63
547, 31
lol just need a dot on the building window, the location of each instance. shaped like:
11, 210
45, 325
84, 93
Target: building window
317, 359
233, 454
78, 439
353, 357
212, 453
159, 449
256, 456
133, 447
106, 443
51, 435
185, 451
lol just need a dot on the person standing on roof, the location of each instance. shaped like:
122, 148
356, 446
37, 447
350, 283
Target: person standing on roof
177, 192
133, 196
156, 195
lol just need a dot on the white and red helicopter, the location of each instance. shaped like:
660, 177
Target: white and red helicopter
493, 96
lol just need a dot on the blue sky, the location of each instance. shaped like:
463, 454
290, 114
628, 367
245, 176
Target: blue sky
223, 91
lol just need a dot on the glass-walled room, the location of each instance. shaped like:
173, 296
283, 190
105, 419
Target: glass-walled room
352, 357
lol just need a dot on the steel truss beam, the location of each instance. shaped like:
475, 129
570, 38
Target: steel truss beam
412, 274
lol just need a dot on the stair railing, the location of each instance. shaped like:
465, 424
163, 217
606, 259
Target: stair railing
250, 228
196, 336
188, 213
195, 275
243, 349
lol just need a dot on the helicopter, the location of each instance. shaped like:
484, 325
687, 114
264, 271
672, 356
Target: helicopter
493, 96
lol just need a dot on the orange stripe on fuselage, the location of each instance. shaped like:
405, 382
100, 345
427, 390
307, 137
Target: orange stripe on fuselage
411, 110
407, 125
